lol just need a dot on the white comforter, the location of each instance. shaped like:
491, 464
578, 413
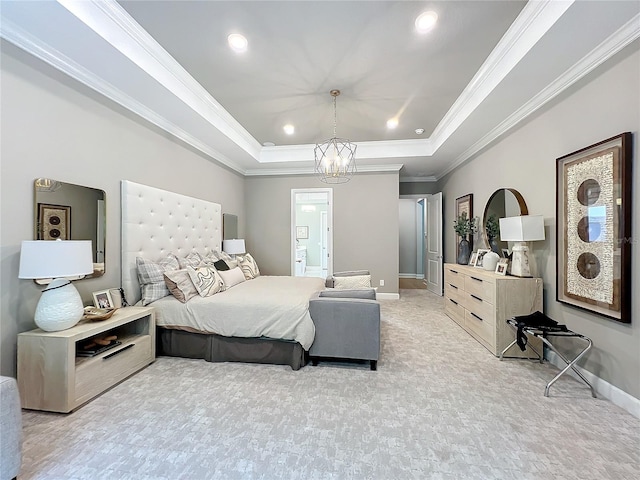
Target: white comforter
273, 307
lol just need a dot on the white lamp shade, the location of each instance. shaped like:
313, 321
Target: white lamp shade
526, 228
55, 258
234, 247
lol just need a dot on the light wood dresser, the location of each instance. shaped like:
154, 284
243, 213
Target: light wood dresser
481, 302
52, 377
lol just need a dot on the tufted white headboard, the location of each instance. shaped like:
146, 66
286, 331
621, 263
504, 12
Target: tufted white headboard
156, 222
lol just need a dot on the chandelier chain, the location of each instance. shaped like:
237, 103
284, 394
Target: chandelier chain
335, 117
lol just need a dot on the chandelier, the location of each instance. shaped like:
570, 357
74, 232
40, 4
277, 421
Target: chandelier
335, 159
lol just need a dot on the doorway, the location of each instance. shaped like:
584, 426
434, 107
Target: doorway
429, 242
312, 232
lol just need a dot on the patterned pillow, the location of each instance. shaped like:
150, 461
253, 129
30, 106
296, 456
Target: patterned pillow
232, 277
352, 282
211, 258
206, 279
180, 285
249, 266
192, 260
151, 277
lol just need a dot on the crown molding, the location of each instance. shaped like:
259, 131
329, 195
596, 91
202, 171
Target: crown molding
271, 172
111, 22
624, 36
535, 19
428, 179
27, 42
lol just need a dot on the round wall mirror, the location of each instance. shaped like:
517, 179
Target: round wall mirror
506, 202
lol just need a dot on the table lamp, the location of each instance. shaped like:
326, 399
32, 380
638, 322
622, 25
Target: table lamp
234, 246
526, 228
60, 306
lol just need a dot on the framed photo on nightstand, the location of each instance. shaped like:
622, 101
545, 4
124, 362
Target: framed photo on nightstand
102, 299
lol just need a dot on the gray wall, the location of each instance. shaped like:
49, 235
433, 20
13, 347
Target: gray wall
365, 224
603, 105
54, 127
418, 188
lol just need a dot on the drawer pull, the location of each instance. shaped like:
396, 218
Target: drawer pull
476, 279
476, 298
453, 301
476, 316
453, 286
453, 271
119, 351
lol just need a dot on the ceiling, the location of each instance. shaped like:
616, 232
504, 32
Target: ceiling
485, 67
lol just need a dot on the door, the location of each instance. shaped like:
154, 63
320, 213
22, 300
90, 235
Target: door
324, 239
433, 243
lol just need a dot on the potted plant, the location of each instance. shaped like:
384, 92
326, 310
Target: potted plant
464, 226
492, 228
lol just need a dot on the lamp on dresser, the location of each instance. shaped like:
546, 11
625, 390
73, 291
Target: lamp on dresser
522, 229
60, 306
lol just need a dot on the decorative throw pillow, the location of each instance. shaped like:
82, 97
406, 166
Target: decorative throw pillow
249, 266
228, 259
221, 266
206, 279
180, 285
192, 260
352, 282
211, 258
232, 277
151, 277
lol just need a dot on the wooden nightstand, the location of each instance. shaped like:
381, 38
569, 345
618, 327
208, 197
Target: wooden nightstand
52, 377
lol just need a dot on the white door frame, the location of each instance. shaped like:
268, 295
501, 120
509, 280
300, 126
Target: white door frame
329, 192
433, 244
421, 228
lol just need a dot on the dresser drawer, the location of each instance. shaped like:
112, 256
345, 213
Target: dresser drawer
451, 291
455, 311
454, 277
479, 307
481, 287
482, 330
94, 375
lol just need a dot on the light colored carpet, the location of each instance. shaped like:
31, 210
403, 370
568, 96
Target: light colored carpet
439, 406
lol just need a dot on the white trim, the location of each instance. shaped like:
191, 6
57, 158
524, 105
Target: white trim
428, 179
387, 296
416, 276
626, 34
603, 388
253, 172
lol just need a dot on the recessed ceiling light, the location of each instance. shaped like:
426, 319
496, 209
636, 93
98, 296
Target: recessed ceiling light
268, 144
392, 123
289, 129
237, 42
419, 131
426, 21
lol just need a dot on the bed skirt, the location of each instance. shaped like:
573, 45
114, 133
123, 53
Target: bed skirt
216, 348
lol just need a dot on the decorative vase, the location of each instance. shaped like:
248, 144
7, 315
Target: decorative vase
493, 245
464, 251
490, 260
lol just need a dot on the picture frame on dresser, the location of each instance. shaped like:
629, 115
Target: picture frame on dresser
473, 259
593, 228
479, 256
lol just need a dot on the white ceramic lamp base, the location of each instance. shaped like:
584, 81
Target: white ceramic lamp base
60, 306
520, 261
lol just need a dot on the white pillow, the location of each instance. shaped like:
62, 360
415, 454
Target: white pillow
249, 266
206, 279
232, 277
352, 282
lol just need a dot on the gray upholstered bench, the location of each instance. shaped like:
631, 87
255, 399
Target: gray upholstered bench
347, 325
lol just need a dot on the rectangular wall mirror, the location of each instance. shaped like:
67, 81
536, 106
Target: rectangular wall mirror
229, 226
70, 212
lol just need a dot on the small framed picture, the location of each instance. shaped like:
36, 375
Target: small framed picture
302, 232
102, 299
505, 253
501, 267
481, 253
472, 260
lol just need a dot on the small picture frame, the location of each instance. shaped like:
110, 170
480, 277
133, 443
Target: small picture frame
480, 255
302, 232
501, 266
472, 260
103, 299
506, 253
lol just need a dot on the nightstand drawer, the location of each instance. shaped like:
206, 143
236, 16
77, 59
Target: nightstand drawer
480, 287
96, 374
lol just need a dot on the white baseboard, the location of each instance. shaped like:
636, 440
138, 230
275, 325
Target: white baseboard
387, 296
618, 397
411, 275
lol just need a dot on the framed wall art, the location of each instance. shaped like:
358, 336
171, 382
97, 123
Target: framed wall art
593, 202
54, 222
302, 232
465, 204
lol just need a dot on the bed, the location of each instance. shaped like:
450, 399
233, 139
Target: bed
263, 320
